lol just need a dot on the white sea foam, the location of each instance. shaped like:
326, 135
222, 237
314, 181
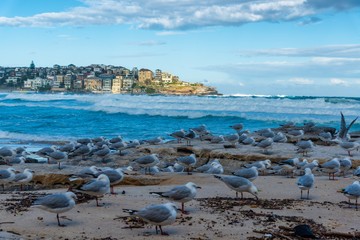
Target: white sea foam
31, 137
191, 106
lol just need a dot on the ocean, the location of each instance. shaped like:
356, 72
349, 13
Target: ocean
30, 118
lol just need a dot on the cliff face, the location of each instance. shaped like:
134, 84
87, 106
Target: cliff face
188, 90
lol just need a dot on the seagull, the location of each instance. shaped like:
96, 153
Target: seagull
57, 156
349, 146
325, 137
57, 203
204, 168
217, 139
249, 141
239, 184
301, 164
84, 141
265, 144
353, 192
187, 161
97, 187
119, 146
216, 168
69, 147
343, 132
291, 161
248, 173
116, 140
201, 130
188, 136
295, 134
7, 154
237, 126
147, 161
233, 138
43, 152
23, 178
6, 176
178, 167
357, 172
155, 141
260, 165
345, 164
87, 173
331, 167
305, 146
103, 152
268, 133
82, 150
242, 137
312, 165
179, 135
306, 182
115, 176
182, 194
156, 214
280, 137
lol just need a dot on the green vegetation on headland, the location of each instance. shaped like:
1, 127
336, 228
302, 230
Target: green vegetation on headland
98, 79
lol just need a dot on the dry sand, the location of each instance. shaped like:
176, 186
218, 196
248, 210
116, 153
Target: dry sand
214, 214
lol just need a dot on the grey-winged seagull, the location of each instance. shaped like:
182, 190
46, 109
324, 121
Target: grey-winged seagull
57, 203
147, 161
239, 184
115, 176
248, 173
182, 194
6, 176
96, 187
353, 192
24, 177
306, 182
188, 161
156, 214
331, 167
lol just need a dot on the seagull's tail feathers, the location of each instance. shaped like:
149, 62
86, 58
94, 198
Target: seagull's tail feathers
158, 193
130, 211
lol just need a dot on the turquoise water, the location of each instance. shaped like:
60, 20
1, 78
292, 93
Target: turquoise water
37, 117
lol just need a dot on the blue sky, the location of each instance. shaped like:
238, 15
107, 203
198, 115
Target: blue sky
277, 47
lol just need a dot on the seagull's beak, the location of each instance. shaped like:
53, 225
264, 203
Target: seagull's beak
198, 187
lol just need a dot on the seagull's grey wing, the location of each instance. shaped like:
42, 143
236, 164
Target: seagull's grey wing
330, 164
245, 172
145, 160
353, 189
178, 193
306, 181
203, 168
235, 181
350, 125
155, 213
19, 176
93, 186
4, 174
53, 201
113, 175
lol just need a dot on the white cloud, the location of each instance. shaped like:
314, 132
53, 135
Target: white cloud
324, 52
337, 81
185, 14
301, 81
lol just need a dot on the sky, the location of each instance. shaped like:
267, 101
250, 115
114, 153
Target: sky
262, 47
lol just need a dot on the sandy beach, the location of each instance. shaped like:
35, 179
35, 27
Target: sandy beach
214, 214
